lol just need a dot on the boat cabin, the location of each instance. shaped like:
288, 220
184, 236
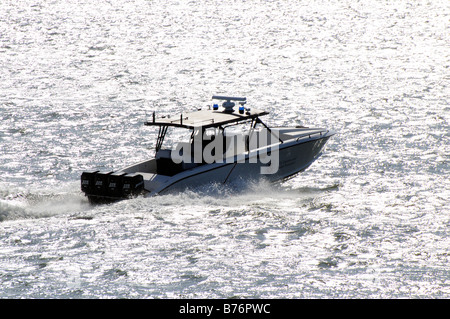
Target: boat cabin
205, 126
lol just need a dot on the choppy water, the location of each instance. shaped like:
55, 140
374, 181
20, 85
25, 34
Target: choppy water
369, 219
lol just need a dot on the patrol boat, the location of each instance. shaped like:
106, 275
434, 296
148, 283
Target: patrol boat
224, 144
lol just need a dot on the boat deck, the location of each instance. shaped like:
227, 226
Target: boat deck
153, 181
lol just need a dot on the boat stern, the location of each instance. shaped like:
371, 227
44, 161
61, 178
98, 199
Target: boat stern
110, 186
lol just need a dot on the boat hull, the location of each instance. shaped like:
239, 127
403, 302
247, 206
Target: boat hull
273, 163
294, 158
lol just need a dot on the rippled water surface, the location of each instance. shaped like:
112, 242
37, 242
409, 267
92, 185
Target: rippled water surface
369, 219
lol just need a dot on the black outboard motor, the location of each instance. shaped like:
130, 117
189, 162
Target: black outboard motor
133, 184
115, 184
88, 181
105, 187
101, 183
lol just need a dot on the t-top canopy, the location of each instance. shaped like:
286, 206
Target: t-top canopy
210, 118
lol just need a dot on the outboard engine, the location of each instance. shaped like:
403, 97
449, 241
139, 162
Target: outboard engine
104, 187
88, 181
133, 184
115, 184
101, 183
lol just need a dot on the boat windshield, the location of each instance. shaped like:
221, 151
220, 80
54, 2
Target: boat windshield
174, 136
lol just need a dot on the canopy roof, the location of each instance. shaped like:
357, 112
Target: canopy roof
207, 118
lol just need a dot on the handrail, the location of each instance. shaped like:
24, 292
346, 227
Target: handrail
309, 134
